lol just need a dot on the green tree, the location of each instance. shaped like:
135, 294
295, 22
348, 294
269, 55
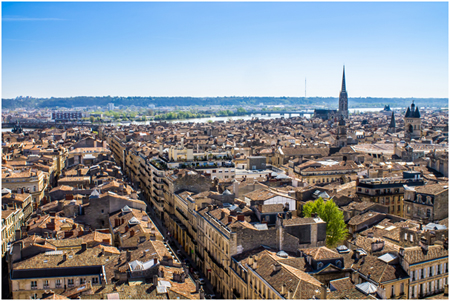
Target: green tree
329, 212
241, 111
92, 118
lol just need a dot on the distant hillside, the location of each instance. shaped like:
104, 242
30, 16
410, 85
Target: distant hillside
313, 102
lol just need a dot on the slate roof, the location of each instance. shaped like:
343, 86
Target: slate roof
303, 285
416, 254
321, 253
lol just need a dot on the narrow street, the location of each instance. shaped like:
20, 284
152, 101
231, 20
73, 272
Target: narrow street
179, 250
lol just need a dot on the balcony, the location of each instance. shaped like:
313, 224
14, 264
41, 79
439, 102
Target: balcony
58, 285
46, 287
34, 287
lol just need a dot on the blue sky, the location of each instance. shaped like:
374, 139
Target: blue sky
224, 49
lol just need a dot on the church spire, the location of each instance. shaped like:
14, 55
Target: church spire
343, 80
392, 125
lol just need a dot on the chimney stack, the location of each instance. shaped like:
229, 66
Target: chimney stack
128, 254
283, 289
323, 292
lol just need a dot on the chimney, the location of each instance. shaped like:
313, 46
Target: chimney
241, 218
182, 277
250, 261
155, 280
83, 247
355, 277
128, 256
17, 251
131, 233
323, 292
377, 245
283, 289
64, 258
176, 277
236, 188
230, 219
255, 264
290, 294
276, 267
18, 234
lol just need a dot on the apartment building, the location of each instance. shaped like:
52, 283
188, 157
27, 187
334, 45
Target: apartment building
265, 273
429, 202
57, 270
30, 180
427, 267
329, 174
388, 191
224, 232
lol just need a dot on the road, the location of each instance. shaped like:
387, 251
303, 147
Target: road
180, 250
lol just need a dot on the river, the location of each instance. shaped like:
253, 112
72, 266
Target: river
245, 117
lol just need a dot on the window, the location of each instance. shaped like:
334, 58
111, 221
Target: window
392, 291
45, 283
428, 213
70, 282
411, 238
319, 265
58, 282
338, 263
82, 281
95, 280
33, 284
406, 236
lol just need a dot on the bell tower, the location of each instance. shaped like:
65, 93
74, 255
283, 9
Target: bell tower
413, 123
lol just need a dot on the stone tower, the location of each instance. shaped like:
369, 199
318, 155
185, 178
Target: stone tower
343, 98
391, 128
413, 123
341, 137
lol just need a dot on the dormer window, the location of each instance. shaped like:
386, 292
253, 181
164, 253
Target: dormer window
319, 265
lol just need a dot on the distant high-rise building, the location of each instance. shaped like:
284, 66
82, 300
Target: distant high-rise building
343, 98
110, 106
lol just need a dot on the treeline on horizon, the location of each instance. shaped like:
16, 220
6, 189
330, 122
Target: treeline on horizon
314, 102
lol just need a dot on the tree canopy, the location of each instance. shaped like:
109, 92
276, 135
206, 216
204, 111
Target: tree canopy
329, 212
